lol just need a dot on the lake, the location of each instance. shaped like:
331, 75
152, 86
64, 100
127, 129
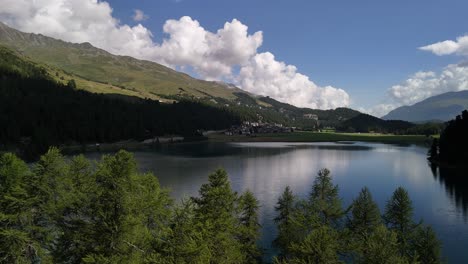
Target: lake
267, 168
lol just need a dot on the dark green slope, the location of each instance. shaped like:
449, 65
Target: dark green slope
367, 123
37, 112
441, 107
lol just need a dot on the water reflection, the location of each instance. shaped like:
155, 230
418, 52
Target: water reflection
455, 182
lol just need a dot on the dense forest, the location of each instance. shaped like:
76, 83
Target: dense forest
73, 210
366, 123
452, 148
37, 112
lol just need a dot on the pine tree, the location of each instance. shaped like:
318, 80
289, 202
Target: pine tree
363, 220
320, 246
73, 211
324, 199
249, 230
365, 214
382, 247
16, 243
425, 245
186, 242
398, 217
215, 209
109, 208
284, 209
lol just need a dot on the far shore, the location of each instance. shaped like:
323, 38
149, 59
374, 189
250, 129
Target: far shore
308, 136
298, 136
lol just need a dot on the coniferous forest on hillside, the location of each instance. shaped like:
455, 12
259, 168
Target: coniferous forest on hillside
73, 210
39, 112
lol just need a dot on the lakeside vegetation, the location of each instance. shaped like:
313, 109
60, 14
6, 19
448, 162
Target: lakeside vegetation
452, 146
63, 210
309, 136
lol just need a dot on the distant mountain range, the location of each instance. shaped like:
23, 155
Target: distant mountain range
440, 108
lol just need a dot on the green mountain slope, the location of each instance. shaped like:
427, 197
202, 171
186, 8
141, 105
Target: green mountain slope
144, 78
98, 71
441, 107
37, 112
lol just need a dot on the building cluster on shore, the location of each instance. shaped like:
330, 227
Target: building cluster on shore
251, 128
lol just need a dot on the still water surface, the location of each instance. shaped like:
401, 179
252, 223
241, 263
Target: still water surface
267, 168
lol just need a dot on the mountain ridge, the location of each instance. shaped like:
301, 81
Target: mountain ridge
442, 107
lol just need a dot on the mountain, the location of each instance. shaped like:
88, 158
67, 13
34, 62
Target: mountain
366, 123
37, 112
441, 107
118, 74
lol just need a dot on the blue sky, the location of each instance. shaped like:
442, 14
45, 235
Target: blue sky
363, 47
319, 54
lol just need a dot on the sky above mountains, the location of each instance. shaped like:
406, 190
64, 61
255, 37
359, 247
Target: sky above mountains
369, 55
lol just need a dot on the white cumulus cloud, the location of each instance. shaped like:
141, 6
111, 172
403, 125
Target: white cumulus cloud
212, 55
139, 15
264, 75
460, 47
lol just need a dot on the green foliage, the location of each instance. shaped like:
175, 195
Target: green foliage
310, 231
285, 209
16, 243
319, 246
74, 210
249, 229
382, 247
365, 123
425, 245
215, 209
324, 199
399, 213
365, 214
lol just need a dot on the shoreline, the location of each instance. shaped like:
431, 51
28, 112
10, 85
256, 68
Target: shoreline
325, 137
301, 136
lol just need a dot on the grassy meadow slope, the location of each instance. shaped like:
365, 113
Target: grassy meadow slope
137, 77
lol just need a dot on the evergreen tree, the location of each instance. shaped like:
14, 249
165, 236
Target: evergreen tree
319, 246
16, 243
74, 210
324, 199
364, 219
215, 209
284, 209
365, 214
108, 228
398, 217
425, 245
382, 247
186, 241
249, 230
147, 220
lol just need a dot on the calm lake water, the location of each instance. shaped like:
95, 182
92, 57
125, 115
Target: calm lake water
267, 168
